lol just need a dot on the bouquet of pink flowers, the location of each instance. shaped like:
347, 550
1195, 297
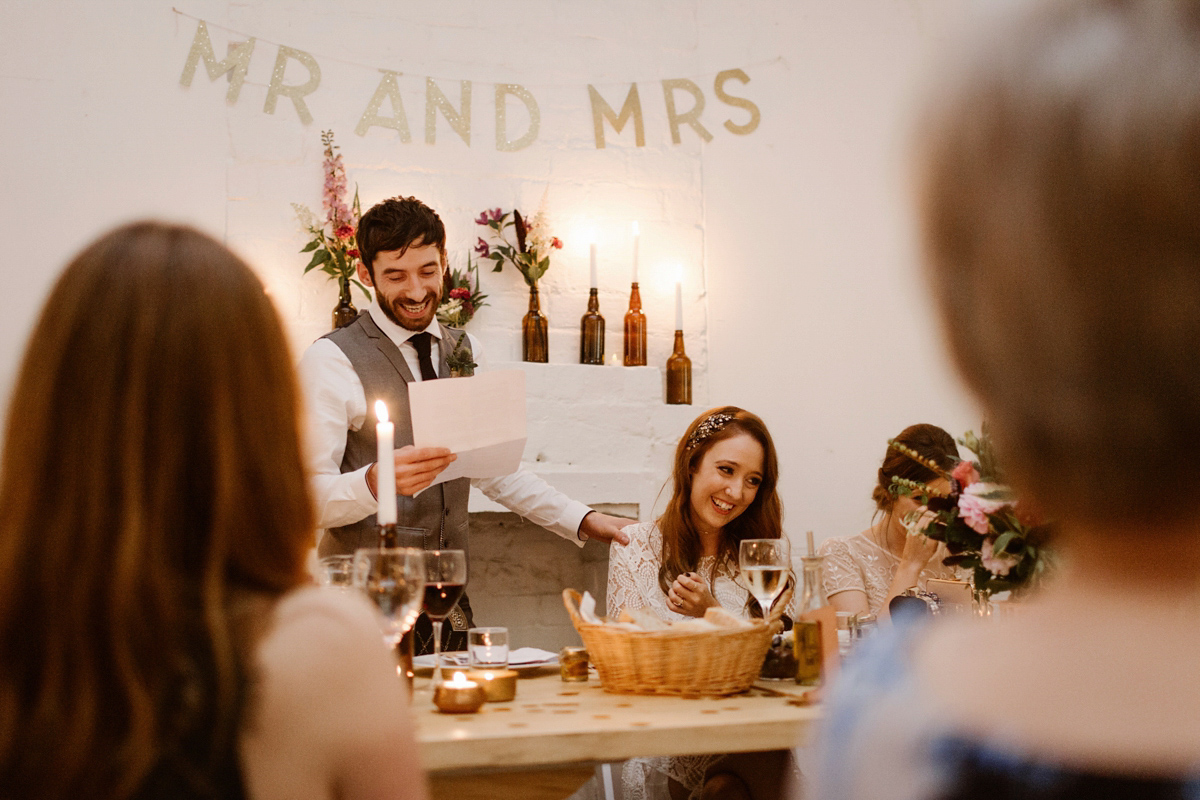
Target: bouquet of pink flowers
984, 526
333, 246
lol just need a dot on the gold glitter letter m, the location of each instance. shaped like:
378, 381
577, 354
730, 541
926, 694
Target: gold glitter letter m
296, 93
603, 111
235, 64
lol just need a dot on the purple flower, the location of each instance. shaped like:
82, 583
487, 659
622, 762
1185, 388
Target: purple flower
496, 215
483, 219
482, 249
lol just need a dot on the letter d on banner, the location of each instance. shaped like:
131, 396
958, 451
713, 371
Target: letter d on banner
503, 143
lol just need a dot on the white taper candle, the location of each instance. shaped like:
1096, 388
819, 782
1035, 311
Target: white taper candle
385, 470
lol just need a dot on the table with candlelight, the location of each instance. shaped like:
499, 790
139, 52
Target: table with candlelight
547, 742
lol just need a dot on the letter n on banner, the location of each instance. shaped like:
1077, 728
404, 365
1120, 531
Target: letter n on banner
387, 89
603, 111
297, 92
459, 119
235, 64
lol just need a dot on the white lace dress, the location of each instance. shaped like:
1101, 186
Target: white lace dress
633, 583
856, 562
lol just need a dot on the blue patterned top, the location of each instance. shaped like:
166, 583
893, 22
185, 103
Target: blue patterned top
883, 739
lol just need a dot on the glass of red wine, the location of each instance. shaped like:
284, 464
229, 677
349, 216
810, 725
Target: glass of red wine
445, 581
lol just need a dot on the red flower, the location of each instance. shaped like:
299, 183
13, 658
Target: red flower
965, 473
344, 232
460, 293
556, 243
482, 248
353, 252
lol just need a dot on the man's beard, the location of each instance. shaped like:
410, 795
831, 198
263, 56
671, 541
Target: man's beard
390, 311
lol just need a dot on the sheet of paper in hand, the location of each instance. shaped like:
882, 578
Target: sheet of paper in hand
481, 419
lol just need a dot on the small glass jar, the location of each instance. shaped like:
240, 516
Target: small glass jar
573, 664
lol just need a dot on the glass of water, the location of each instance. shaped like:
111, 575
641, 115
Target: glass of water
394, 579
336, 571
487, 648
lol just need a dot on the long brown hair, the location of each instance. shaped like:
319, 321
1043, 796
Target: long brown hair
763, 519
929, 442
151, 469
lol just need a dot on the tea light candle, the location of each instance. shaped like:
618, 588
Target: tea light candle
499, 685
573, 664
458, 695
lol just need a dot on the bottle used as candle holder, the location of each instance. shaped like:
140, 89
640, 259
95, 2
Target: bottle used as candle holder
591, 332
679, 375
535, 341
635, 330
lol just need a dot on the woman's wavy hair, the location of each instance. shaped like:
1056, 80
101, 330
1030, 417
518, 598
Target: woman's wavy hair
928, 441
763, 519
151, 474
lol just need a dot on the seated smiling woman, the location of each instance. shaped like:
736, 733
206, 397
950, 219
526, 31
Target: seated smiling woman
725, 474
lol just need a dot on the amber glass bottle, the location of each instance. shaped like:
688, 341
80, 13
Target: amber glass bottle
591, 332
679, 375
635, 330
345, 312
535, 340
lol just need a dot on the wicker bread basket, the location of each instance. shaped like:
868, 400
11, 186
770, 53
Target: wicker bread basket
685, 663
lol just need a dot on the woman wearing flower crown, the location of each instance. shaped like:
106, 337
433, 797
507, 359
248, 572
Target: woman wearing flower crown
686, 562
865, 571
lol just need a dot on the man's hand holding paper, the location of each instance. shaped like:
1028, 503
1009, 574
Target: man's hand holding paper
481, 420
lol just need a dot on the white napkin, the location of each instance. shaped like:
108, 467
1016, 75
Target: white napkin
587, 609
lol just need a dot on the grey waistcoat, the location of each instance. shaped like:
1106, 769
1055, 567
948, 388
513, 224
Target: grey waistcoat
437, 517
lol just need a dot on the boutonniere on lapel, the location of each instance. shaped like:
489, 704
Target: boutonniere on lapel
459, 360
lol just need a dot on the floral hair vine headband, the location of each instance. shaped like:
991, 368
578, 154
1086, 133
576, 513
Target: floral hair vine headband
713, 424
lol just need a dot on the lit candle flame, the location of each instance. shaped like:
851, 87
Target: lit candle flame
635, 228
381, 414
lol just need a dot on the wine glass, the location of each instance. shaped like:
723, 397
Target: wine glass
765, 564
445, 581
393, 578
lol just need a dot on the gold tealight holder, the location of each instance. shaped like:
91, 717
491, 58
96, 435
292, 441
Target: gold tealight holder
458, 696
499, 685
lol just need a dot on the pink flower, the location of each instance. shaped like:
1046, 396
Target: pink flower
556, 243
998, 564
965, 473
482, 248
344, 232
461, 293
974, 507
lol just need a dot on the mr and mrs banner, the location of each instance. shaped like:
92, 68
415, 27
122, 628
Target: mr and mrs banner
684, 99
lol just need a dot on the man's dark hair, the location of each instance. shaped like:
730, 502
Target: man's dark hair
399, 223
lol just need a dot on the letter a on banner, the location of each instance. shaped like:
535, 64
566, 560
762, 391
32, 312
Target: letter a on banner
603, 111
296, 93
235, 64
387, 89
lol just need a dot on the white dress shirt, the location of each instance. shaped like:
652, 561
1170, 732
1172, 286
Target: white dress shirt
337, 403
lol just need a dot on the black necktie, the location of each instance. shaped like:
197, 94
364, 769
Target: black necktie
423, 341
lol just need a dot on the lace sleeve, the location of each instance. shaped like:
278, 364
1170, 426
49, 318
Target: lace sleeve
629, 568
841, 572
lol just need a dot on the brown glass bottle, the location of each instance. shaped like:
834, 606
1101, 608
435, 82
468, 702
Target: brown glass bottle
345, 312
535, 340
635, 330
679, 375
591, 332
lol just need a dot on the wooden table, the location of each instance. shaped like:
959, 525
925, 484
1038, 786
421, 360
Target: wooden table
553, 734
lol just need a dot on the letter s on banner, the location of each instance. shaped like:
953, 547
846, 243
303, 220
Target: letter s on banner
738, 102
